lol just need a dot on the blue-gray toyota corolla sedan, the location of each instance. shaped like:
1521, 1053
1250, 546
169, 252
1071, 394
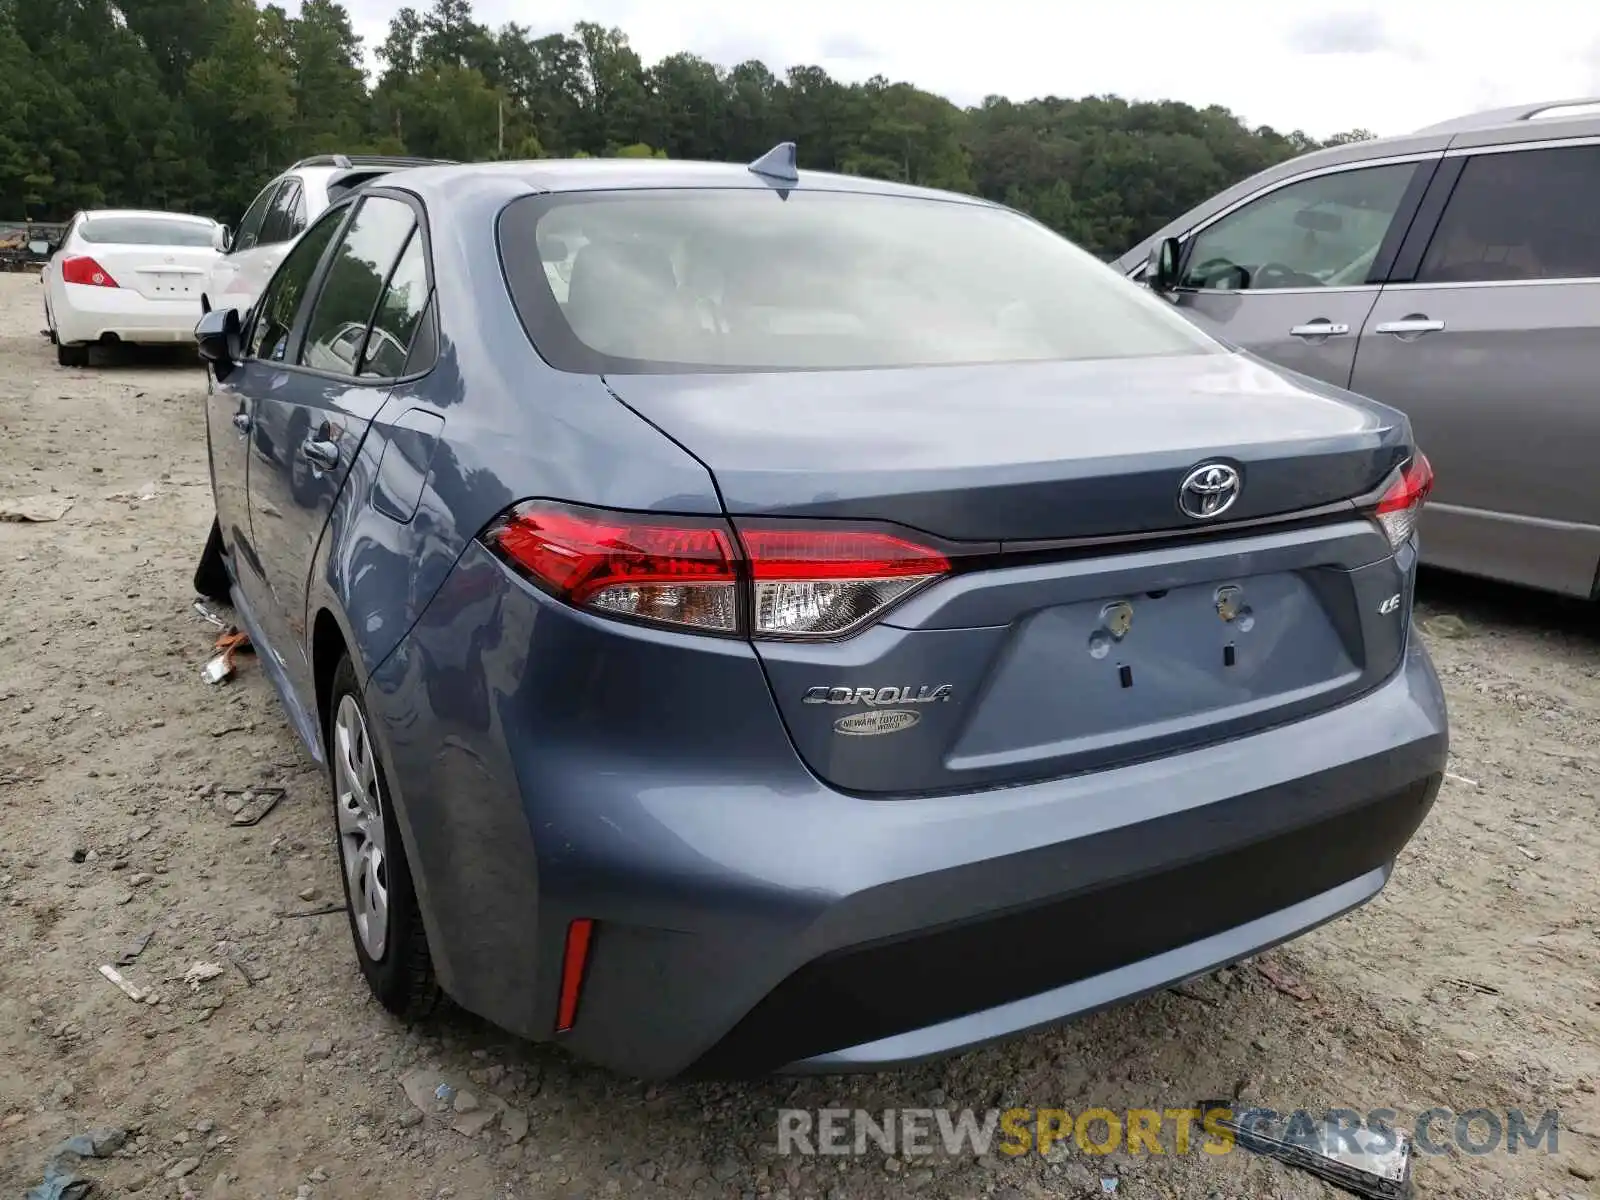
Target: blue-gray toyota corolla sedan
759, 620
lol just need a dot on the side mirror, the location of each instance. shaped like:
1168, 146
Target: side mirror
222, 239
1161, 272
218, 334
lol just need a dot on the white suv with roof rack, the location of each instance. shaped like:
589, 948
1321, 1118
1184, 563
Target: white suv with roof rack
250, 254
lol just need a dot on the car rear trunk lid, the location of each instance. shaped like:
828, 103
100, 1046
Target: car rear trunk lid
1045, 656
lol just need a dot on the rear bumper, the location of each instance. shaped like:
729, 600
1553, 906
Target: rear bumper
91, 313
750, 918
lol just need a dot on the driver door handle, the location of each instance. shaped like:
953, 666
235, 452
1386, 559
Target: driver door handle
321, 453
1318, 329
241, 421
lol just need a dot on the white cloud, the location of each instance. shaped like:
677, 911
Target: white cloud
1413, 65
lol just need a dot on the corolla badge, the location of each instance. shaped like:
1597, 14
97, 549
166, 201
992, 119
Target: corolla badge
878, 696
1208, 491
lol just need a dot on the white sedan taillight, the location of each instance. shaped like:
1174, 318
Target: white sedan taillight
772, 580
1402, 503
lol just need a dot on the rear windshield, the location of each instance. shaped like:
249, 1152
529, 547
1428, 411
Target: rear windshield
730, 280
145, 231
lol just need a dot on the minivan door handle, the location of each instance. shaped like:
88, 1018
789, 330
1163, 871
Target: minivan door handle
1320, 328
1414, 324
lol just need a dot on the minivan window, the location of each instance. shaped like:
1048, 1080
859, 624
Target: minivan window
1319, 232
280, 303
747, 279
250, 224
282, 223
146, 231
1519, 215
355, 279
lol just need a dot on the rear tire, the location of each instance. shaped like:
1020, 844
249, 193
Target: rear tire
211, 576
72, 356
380, 900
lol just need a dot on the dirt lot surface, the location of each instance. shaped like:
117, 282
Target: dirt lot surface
1472, 982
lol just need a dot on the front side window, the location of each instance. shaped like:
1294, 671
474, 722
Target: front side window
746, 279
355, 280
1520, 215
280, 303
146, 231
249, 232
1319, 232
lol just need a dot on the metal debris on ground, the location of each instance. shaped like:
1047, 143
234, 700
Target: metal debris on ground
220, 666
1365, 1164
206, 614
35, 509
247, 806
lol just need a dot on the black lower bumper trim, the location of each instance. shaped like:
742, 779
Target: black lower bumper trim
876, 990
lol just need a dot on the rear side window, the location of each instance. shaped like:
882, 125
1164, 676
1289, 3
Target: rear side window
1519, 215
282, 223
401, 309
746, 279
145, 231
280, 303
355, 280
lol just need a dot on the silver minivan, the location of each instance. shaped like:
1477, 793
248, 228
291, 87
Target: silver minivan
1453, 273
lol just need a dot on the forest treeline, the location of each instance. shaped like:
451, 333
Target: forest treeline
193, 104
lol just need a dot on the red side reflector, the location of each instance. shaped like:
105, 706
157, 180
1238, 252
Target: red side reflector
573, 961
83, 269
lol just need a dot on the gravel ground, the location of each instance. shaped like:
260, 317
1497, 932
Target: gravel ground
1472, 982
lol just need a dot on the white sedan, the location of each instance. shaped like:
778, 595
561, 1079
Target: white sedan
122, 275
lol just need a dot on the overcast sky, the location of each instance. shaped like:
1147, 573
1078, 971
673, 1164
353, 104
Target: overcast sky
1322, 68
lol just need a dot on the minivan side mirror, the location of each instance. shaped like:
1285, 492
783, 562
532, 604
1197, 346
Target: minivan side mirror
219, 337
1161, 272
222, 239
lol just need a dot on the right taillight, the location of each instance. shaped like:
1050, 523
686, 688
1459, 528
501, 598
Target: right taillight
819, 583
767, 580
81, 268
1402, 502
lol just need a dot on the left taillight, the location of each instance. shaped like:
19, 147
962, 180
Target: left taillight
1402, 501
80, 268
667, 572
771, 580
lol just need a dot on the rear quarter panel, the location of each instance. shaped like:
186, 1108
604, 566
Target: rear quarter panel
509, 428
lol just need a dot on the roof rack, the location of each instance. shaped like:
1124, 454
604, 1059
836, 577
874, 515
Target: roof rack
346, 161
1546, 110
